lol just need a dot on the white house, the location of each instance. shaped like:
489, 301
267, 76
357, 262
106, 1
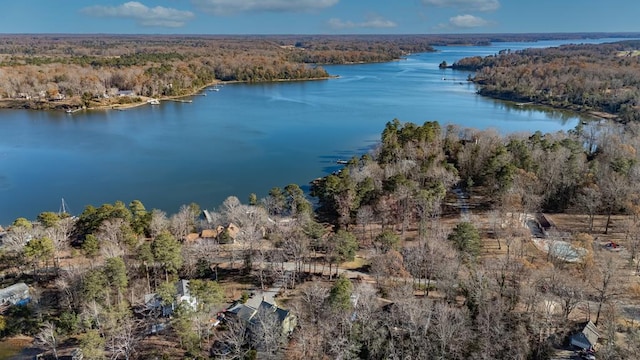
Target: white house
152, 302
184, 295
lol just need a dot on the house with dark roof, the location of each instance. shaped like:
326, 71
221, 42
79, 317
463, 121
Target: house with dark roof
587, 338
286, 320
242, 311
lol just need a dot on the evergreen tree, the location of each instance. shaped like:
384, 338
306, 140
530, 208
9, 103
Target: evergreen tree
167, 252
466, 238
340, 294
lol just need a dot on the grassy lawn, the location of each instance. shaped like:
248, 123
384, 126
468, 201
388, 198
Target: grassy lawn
357, 263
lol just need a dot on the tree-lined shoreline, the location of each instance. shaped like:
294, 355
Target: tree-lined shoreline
44, 72
72, 71
601, 79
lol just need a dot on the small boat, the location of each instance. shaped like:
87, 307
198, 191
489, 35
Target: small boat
214, 89
69, 111
342, 162
153, 101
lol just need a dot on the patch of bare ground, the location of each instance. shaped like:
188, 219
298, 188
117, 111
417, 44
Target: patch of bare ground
627, 304
17, 348
160, 347
575, 223
234, 281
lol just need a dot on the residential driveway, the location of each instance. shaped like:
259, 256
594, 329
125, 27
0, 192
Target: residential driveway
465, 213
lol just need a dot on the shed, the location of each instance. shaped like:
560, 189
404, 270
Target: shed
16, 294
587, 338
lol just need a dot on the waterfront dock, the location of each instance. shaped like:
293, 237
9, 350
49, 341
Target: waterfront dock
179, 100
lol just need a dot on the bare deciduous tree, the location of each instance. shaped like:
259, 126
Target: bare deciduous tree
231, 342
182, 222
605, 280
48, 336
159, 223
123, 338
451, 331
364, 217
266, 334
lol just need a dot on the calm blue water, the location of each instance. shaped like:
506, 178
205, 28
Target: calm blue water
242, 139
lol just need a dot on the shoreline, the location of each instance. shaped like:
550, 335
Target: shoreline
576, 109
39, 105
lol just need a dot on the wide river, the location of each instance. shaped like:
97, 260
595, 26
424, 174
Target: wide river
244, 138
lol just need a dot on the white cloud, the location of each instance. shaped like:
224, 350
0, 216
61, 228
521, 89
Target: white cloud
479, 5
227, 7
144, 15
371, 22
467, 21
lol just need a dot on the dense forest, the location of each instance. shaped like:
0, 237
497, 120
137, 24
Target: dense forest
432, 278
603, 78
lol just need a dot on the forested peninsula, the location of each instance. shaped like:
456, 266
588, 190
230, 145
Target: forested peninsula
603, 79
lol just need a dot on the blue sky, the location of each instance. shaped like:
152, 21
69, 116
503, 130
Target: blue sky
318, 16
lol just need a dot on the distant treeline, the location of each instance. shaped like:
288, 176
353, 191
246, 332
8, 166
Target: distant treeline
603, 77
49, 66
